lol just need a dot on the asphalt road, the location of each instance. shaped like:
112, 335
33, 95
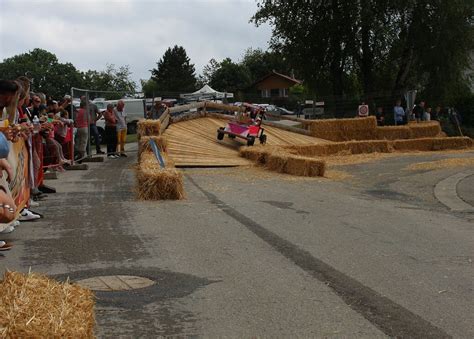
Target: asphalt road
252, 253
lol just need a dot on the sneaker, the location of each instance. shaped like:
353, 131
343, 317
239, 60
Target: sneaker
15, 223
111, 156
6, 246
27, 215
123, 155
9, 229
99, 152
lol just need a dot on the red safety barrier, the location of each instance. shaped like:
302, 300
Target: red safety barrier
55, 149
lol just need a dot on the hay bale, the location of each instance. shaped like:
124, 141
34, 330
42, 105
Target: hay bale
148, 127
156, 183
452, 143
344, 129
305, 167
279, 159
276, 161
34, 306
393, 132
432, 144
144, 144
341, 148
371, 146
257, 154
149, 160
428, 129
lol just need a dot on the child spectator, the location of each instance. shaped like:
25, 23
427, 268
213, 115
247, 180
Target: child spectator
427, 114
380, 116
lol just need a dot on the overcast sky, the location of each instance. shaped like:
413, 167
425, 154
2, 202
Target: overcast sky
92, 33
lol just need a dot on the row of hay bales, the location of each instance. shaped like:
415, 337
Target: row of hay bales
279, 160
153, 181
35, 306
367, 129
381, 146
300, 159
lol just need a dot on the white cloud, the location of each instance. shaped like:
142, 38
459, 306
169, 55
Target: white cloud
92, 33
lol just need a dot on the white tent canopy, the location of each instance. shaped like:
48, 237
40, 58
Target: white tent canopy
206, 93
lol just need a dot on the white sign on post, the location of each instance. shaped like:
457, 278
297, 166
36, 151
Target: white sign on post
363, 110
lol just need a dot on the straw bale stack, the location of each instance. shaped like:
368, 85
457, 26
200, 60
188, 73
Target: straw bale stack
350, 147
156, 183
148, 127
35, 306
393, 132
295, 165
279, 160
305, 167
256, 154
344, 129
145, 147
433, 144
431, 129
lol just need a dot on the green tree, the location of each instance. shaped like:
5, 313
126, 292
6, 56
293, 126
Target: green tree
149, 88
230, 76
111, 79
260, 63
48, 74
375, 45
174, 72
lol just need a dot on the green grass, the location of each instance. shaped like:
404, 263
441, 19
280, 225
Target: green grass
131, 138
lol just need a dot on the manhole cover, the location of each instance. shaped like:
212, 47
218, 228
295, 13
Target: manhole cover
115, 283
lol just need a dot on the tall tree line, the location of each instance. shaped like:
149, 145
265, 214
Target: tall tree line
364, 46
56, 79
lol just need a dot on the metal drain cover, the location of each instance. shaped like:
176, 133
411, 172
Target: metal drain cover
115, 283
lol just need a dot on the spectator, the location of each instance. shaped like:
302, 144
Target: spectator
24, 100
8, 90
399, 113
36, 109
419, 111
299, 110
111, 131
66, 105
427, 114
380, 116
63, 133
94, 116
82, 131
121, 116
436, 114
157, 110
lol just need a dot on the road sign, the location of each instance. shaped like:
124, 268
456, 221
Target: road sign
363, 110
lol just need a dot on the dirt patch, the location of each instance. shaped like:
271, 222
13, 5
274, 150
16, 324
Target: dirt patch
441, 164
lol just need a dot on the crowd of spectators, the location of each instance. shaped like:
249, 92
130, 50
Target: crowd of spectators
56, 134
420, 113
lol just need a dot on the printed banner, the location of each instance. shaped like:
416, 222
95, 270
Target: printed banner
19, 184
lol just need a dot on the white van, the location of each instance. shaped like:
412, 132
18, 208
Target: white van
135, 109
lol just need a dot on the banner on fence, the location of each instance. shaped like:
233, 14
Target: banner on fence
19, 184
